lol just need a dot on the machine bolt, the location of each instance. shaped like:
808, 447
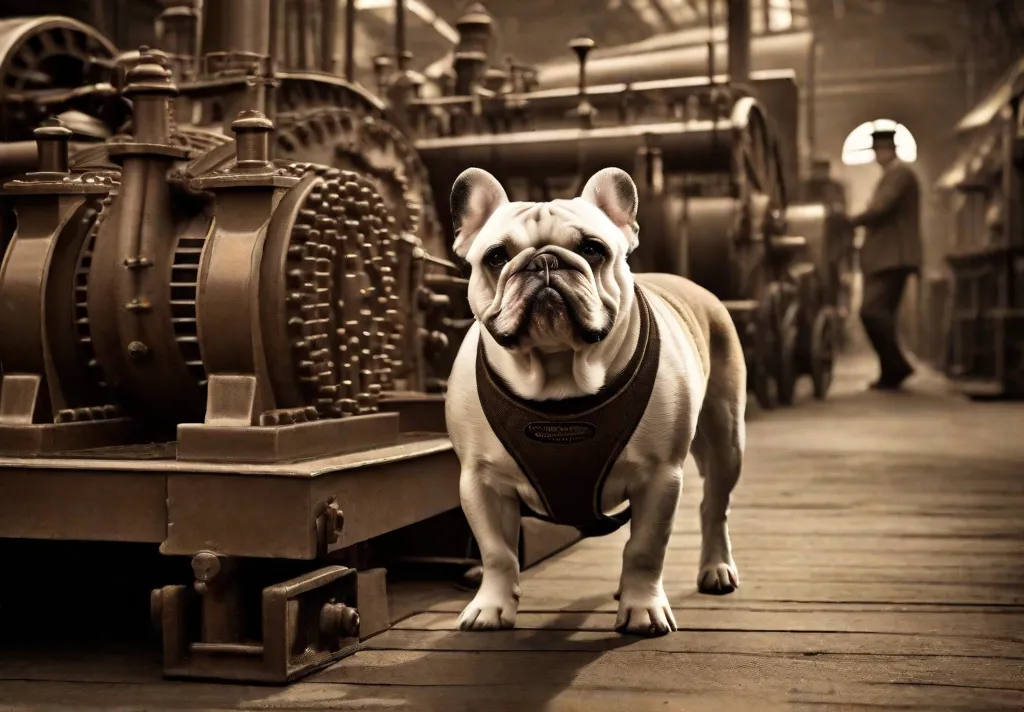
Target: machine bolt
339, 621
205, 565
252, 139
335, 522
52, 144
137, 349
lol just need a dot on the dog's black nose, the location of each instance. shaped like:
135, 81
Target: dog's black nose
544, 262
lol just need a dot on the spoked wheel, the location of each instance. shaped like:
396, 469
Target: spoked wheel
762, 337
823, 350
784, 361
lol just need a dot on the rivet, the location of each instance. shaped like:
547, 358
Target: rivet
137, 349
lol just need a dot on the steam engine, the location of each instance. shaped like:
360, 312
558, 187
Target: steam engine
279, 277
716, 176
225, 326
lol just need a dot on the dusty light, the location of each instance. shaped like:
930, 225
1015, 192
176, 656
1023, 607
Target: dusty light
857, 149
780, 15
420, 10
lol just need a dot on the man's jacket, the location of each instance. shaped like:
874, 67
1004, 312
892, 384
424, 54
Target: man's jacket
892, 222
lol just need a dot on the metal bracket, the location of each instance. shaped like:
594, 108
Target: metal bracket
307, 622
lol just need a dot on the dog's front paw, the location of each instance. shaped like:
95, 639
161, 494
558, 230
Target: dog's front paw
718, 578
491, 610
649, 616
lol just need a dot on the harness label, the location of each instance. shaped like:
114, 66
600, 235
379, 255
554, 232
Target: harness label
560, 433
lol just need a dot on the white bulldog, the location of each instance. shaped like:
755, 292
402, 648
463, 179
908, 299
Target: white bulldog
580, 390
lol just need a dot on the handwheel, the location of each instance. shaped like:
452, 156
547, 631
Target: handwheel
823, 349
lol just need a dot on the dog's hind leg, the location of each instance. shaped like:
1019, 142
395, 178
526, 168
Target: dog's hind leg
718, 449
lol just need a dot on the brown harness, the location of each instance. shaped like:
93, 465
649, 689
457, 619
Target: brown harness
566, 448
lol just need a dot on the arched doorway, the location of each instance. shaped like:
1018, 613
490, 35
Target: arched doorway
859, 169
857, 146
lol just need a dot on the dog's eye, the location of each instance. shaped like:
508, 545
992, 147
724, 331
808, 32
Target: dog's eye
592, 248
496, 257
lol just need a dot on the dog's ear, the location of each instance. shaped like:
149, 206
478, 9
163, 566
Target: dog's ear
613, 191
475, 196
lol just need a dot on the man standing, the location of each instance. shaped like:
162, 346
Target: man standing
891, 252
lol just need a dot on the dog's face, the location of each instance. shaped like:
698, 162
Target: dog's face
548, 276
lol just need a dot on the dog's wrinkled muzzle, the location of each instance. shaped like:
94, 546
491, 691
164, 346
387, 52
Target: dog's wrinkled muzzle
549, 291
544, 262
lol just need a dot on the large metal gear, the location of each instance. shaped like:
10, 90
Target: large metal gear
372, 146
331, 122
336, 124
331, 291
42, 55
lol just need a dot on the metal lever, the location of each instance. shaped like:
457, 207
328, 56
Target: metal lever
584, 109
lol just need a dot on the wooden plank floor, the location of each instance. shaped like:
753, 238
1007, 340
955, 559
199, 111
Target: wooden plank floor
880, 540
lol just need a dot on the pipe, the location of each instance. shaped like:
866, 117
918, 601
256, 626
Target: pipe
306, 60
401, 60
328, 35
711, 41
779, 51
23, 156
738, 19
278, 36
698, 147
811, 112
350, 40
234, 26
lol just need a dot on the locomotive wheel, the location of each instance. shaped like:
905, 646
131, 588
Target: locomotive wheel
823, 350
38, 54
761, 337
784, 357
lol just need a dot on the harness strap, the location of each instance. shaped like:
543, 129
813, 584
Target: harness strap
566, 448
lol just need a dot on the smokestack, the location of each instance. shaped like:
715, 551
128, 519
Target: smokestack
237, 26
739, 40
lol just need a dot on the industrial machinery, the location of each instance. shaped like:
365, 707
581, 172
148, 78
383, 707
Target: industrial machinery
985, 321
715, 161
227, 313
226, 328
